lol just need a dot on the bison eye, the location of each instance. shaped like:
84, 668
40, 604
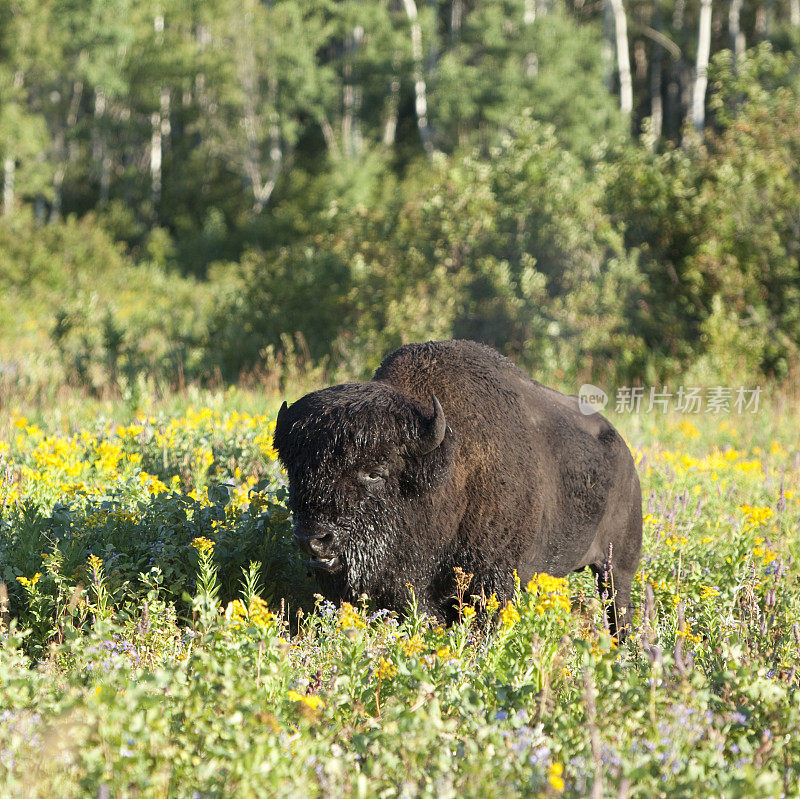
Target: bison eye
372, 478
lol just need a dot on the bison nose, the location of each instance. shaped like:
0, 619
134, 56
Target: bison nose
314, 545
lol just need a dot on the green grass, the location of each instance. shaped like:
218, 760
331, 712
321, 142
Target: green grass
171, 646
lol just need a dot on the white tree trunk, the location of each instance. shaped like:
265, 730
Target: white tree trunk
457, 17
390, 128
420, 88
252, 123
60, 150
9, 167
99, 148
351, 127
701, 72
155, 158
609, 46
157, 127
531, 64
623, 57
656, 73
161, 128
794, 12
529, 16
761, 22
330, 138
58, 175
677, 14
735, 30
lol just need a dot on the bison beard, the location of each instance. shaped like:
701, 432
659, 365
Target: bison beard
451, 457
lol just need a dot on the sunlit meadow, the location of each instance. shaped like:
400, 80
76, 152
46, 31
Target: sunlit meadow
161, 637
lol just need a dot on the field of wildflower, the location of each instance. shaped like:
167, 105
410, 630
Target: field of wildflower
160, 635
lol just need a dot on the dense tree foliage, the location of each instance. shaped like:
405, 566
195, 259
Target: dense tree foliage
195, 190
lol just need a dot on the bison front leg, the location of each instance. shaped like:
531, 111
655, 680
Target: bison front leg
614, 587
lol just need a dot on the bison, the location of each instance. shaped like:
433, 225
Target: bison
450, 456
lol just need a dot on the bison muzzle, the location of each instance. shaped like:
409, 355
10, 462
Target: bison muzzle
452, 457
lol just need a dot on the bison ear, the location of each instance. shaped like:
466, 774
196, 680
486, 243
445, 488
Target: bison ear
281, 420
432, 430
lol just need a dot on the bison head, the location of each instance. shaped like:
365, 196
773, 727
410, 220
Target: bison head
364, 463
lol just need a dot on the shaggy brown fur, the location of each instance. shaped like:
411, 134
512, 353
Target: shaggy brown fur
450, 456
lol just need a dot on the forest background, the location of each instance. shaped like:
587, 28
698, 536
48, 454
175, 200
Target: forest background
242, 190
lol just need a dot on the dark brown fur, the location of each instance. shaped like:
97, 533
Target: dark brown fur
521, 480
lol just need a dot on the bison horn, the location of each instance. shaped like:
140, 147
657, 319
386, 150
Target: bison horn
432, 431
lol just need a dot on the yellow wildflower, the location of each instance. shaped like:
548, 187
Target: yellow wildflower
509, 616
708, 592
468, 613
689, 430
25, 581
236, 613
203, 545
686, 633
756, 515
311, 700
258, 613
349, 617
551, 593
203, 458
386, 669
412, 646
554, 777
265, 441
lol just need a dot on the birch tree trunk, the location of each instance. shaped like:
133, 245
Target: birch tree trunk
735, 31
656, 79
155, 158
531, 65
390, 128
701, 72
100, 153
608, 47
677, 14
158, 127
60, 148
9, 168
761, 22
794, 12
58, 174
251, 107
351, 129
457, 17
623, 57
420, 88
160, 130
